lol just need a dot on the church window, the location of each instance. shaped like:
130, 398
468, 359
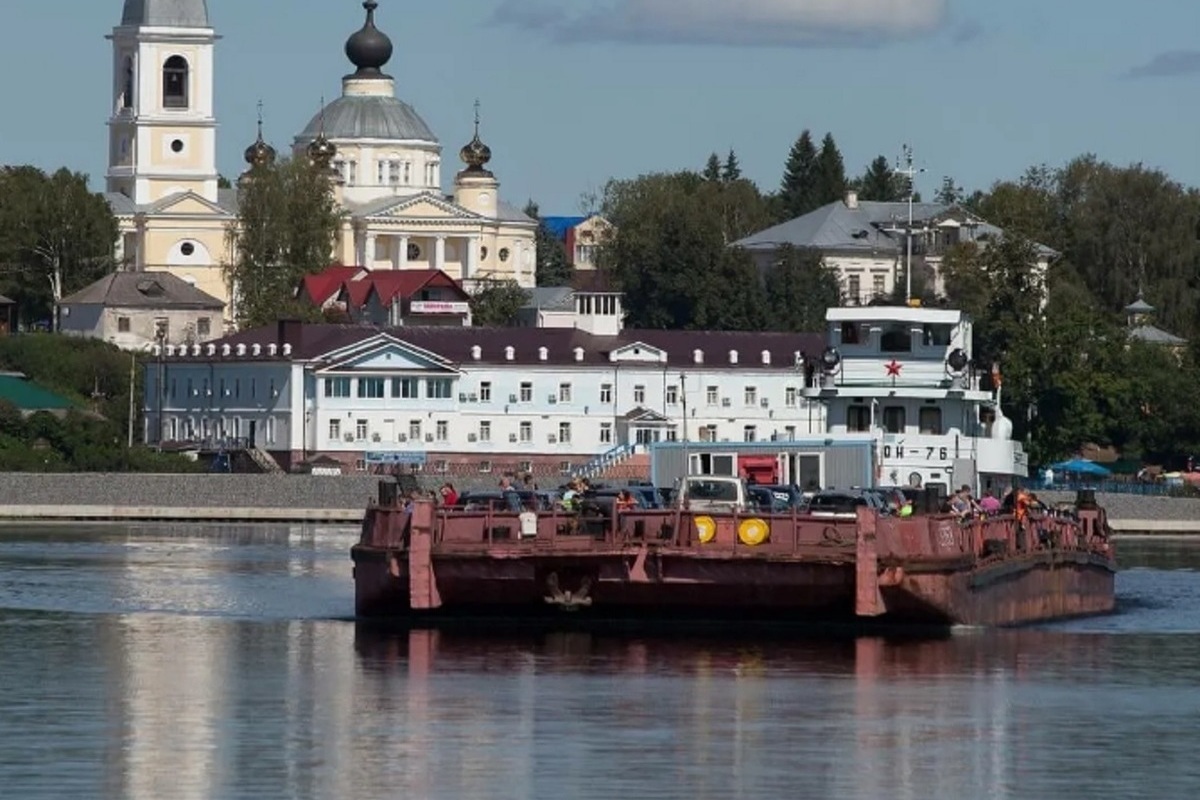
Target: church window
127, 84
503, 254
175, 83
414, 252
187, 248
177, 146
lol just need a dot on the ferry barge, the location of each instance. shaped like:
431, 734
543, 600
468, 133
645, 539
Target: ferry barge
901, 379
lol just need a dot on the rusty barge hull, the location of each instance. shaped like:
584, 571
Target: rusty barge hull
652, 566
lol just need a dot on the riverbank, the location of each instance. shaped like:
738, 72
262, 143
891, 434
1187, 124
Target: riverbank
342, 500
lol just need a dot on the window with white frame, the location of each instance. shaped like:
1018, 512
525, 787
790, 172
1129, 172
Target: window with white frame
414, 430
564, 432
337, 387
525, 466
789, 433
789, 396
370, 388
438, 388
606, 393
751, 396
485, 392
712, 396
335, 429
564, 393
485, 431
526, 392
750, 433
406, 388
606, 433
360, 429
526, 432
672, 395
639, 394
442, 430
485, 467
708, 433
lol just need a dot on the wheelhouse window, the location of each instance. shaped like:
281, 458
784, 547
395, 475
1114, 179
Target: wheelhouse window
852, 333
935, 335
858, 419
930, 421
175, 82
893, 419
896, 338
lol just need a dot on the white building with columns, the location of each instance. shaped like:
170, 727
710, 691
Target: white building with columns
475, 400
162, 178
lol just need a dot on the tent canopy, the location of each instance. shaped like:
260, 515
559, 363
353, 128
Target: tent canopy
1080, 466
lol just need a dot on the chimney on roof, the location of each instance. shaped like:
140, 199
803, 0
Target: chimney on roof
288, 332
852, 200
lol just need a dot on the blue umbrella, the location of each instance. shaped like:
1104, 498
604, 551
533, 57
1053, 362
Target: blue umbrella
1080, 466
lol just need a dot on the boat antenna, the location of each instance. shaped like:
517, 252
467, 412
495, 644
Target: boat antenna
905, 167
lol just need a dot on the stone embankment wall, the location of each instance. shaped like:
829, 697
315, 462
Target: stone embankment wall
210, 496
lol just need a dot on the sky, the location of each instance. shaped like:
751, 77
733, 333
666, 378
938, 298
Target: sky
576, 92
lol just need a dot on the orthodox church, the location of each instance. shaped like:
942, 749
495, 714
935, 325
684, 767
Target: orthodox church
384, 162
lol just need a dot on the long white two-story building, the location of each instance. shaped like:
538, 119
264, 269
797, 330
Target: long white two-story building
479, 400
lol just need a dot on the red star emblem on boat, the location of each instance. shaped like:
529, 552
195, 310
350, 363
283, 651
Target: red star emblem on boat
893, 368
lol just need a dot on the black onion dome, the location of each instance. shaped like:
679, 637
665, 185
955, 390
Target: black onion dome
369, 48
475, 154
322, 151
260, 154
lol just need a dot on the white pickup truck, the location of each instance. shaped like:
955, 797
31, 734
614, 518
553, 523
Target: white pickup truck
712, 493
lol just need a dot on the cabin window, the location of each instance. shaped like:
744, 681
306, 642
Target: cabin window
858, 419
931, 421
893, 419
935, 335
851, 333
896, 338
175, 82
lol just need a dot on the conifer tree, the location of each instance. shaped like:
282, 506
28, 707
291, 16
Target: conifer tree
732, 170
712, 170
881, 183
796, 192
830, 180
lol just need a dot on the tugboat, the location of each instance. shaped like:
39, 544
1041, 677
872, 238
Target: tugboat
901, 380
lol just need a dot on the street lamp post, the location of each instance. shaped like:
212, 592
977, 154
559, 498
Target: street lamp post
159, 388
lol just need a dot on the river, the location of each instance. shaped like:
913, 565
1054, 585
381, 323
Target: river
219, 662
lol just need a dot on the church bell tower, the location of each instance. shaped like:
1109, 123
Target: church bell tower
163, 132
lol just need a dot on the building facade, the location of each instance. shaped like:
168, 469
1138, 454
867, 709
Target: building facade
865, 243
581, 237
454, 399
162, 180
135, 310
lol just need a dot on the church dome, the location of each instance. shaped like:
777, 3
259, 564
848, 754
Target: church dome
369, 48
165, 14
368, 117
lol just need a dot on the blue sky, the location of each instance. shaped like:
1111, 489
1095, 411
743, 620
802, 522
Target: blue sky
575, 92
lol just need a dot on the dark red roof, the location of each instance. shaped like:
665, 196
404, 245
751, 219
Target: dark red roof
403, 284
319, 288
453, 343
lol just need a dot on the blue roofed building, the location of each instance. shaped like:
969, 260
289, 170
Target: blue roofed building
581, 237
865, 243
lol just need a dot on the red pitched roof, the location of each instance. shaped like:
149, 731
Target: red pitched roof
321, 287
403, 284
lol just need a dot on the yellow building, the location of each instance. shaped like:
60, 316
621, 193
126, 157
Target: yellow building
162, 180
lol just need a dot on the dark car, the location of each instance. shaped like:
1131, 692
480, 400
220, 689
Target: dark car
502, 502
600, 502
788, 493
648, 495
767, 501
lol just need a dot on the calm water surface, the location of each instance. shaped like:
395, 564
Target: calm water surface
218, 662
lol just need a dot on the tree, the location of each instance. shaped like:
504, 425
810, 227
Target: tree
797, 194
670, 250
800, 288
950, 193
286, 228
56, 236
553, 268
495, 304
712, 169
732, 170
829, 180
880, 182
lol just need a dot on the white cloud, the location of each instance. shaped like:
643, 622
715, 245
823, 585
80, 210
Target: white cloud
781, 23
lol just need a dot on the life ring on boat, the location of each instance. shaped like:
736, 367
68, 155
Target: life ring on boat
754, 532
706, 529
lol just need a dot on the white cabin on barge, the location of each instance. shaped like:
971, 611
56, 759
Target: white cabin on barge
905, 375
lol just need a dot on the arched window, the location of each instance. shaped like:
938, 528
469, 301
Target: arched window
127, 84
175, 82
